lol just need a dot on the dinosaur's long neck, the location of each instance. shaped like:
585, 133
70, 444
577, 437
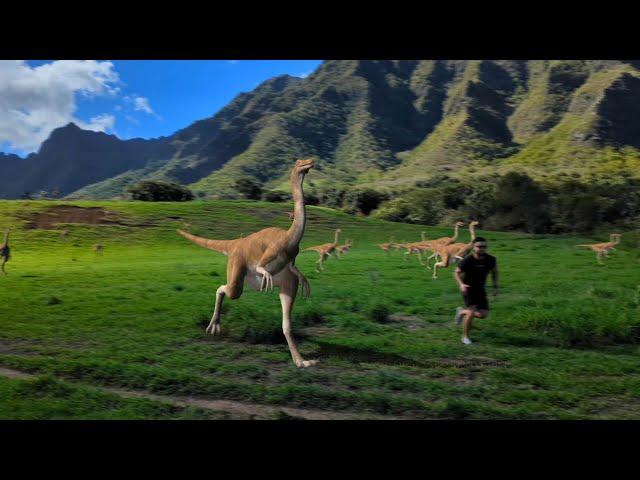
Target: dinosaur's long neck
424, 239
472, 231
455, 234
616, 240
295, 232
335, 238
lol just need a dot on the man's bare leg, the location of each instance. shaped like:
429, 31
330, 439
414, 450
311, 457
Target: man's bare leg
467, 319
469, 315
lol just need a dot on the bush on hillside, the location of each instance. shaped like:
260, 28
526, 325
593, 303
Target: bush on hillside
248, 188
275, 196
156, 191
520, 204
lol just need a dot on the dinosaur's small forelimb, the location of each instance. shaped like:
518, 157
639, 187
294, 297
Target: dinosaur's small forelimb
267, 278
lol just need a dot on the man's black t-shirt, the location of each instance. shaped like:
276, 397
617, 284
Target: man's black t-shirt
476, 269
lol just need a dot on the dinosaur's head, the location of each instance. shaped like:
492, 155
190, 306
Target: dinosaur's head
474, 223
302, 167
459, 224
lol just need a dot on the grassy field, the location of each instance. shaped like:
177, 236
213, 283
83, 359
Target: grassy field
561, 341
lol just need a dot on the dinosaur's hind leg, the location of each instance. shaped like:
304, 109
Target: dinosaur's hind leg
233, 289
214, 324
288, 289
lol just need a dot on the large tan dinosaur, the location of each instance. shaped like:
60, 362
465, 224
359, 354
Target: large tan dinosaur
324, 250
5, 251
603, 249
449, 240
453, 252
266, 259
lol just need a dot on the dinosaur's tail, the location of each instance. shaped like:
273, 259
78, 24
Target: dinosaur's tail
221, 246
583, 246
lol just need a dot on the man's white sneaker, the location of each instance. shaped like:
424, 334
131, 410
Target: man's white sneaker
459, 315
466, 341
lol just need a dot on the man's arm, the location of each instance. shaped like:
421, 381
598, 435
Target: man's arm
461, 284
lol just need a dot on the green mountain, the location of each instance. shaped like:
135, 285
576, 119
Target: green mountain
366, 122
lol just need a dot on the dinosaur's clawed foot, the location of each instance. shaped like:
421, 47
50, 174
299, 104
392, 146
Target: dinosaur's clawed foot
213, 329
306, 363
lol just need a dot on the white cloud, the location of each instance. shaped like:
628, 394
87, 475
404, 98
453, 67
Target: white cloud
303, 74
100, 123
36, 100
142, 104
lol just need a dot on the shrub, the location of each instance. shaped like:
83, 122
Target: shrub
275, 196
415, 206
156, 191
332, 196
311, 199
248, 188
364, 201
520, 204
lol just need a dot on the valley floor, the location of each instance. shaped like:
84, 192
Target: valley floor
121, 334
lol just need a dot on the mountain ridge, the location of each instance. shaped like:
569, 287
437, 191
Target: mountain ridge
388, 122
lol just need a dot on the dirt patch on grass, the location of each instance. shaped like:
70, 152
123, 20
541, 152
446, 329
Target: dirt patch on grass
10, 373
16, 347
615, 407
411, 322
48, 218
468, 362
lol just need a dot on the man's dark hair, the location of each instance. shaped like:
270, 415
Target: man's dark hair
480, 239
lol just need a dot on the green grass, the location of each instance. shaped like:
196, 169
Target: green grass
48, 398
560, 341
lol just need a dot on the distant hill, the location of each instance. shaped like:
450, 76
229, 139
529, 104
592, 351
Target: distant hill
385, 122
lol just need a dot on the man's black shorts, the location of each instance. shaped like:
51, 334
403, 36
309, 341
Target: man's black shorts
476, 297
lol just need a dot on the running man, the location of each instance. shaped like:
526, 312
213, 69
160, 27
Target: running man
475, 267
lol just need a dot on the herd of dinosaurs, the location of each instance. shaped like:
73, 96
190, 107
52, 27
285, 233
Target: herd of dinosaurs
266, 259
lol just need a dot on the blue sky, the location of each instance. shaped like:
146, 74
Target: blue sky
129, 98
